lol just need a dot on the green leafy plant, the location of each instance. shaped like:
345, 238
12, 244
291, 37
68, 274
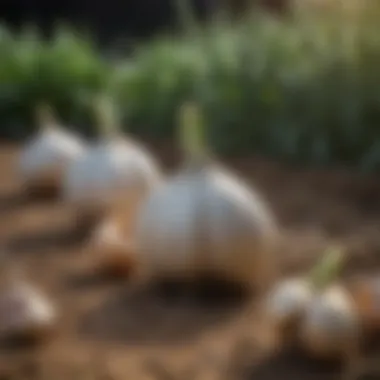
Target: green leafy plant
303, 88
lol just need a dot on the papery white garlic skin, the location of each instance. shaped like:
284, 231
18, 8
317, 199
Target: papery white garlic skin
110, 171
331, 324
205, 220
23, 310
288, 301
48, 154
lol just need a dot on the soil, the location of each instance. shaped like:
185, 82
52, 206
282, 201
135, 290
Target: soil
116, 329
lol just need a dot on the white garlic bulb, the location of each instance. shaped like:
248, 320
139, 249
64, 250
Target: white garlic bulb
24, 311
109, 172
112, 170
287, 302
331, 326
205, 220
45, 158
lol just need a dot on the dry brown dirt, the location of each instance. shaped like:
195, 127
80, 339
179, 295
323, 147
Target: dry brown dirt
117, 330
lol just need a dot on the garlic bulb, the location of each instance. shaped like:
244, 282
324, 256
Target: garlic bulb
112, 170
24, 311
44, 159
288, 301
205, 220
331, 326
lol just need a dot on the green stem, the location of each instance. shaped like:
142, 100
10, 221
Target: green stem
192, 131
327, 269
105, 117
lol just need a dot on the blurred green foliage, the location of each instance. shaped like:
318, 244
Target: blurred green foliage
304, 88
61, 71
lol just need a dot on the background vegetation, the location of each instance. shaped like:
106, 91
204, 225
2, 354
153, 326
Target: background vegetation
304, 87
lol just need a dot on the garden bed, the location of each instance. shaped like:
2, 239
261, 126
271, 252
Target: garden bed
115, 330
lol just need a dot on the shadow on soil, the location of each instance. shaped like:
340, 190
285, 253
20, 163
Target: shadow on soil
18, 344
288, 364
88, 281
56, 239
15, 199
292, 364
11, 201
165, 312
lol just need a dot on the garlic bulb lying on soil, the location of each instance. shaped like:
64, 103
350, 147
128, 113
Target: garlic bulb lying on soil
331, 325
205, 221
286, 305
288, 301
112, 170
112, 251
44, 159
24, 311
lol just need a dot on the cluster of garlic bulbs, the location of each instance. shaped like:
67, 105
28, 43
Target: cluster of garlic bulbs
110, 176
202, 221
322, 312
205, 220
44, 159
